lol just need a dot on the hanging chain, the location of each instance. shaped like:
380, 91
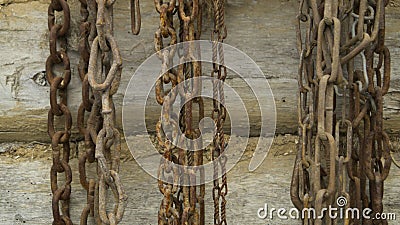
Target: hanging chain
90, 104
220, 189
182, 204
99, 69
104, 75
343, 150
171, 208
59, 107
189, 77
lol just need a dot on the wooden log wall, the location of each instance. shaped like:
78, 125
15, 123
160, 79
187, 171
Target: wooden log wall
263, 29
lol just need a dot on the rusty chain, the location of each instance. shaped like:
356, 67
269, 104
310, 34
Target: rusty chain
343, 150
59, 107
102, 140
183, 204
91, 104
179, 203
171, 207
104, 74
219, 72
188, 14
99, 83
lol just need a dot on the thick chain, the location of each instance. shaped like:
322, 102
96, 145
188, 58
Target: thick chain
340, 107
99, 69
59, 108
104, 74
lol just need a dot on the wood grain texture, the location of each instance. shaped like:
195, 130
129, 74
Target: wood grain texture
25, 195
262, 29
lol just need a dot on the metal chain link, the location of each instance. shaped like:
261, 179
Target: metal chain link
59, 108
99, 83
219, 73
340, 107
91, 104
136, 18
182, 204
171, 208
104, 75
188, 14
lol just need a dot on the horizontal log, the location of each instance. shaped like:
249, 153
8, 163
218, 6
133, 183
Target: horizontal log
262, 30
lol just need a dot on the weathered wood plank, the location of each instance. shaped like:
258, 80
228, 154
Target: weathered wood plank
262, 29
25, 194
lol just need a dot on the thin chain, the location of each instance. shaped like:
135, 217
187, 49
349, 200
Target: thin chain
90, 104
340, 107
182, 204
219, 113
189, 77
170, 211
